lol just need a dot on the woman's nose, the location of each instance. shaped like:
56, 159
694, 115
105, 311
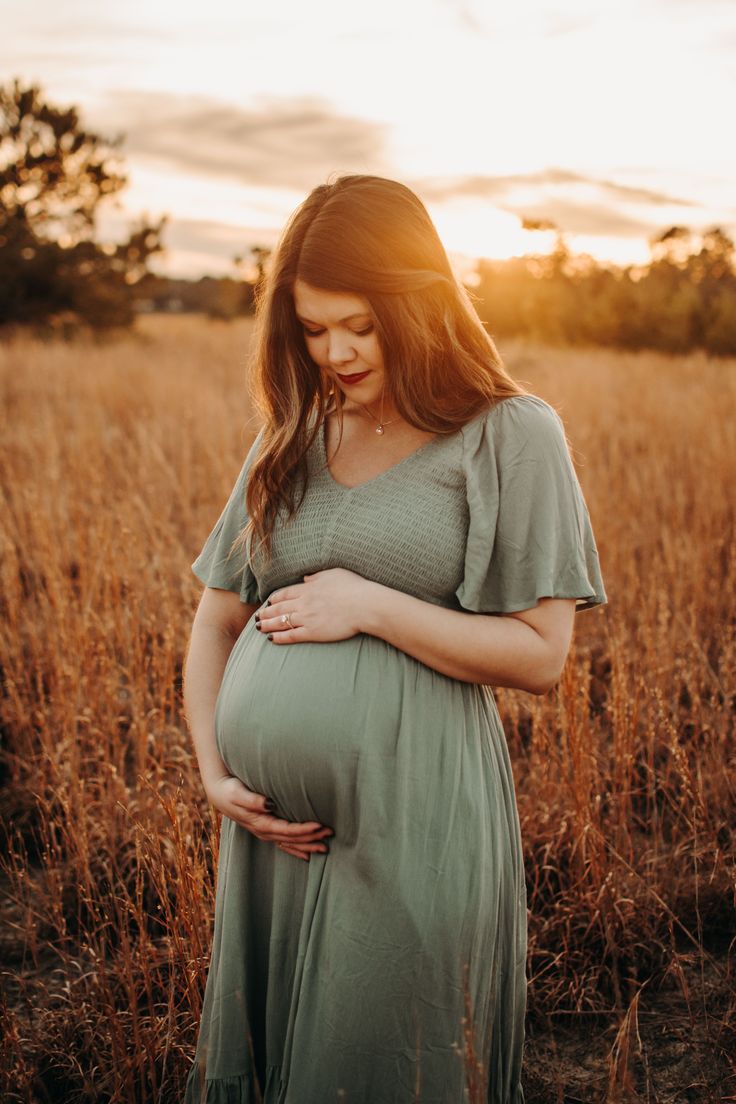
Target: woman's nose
340, 350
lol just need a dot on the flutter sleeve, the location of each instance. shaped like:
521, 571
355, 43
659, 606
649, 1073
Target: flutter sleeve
529, 534
217, 565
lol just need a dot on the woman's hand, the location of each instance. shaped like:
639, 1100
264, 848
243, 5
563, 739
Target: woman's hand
328, 605
250, 810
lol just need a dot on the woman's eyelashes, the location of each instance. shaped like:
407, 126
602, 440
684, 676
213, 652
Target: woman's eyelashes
358, 333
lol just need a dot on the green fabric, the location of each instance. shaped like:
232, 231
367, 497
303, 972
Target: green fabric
348, 978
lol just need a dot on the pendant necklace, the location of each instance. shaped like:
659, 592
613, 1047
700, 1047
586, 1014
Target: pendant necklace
381, 423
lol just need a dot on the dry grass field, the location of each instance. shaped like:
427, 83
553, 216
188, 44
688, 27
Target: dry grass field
116, 460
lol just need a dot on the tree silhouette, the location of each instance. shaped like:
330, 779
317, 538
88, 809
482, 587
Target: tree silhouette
53, 175
672, 246
683, 300
260, 255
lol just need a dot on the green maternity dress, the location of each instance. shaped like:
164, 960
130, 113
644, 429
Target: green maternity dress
392, 969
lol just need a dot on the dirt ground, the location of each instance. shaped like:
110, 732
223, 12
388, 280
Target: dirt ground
678, 1046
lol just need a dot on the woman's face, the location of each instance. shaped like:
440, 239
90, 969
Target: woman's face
341, 339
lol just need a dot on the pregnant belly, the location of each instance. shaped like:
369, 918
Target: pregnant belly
323, 728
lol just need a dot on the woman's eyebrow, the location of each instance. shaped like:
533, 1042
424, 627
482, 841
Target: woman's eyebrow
348, 318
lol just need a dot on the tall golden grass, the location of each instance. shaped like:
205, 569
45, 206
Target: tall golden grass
116, 459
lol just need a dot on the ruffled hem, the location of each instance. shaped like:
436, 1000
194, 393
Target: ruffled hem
238, 1089
529, 533
217, 565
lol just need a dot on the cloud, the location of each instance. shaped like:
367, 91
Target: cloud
630, 194
526, 19
576, 203
558, 24
279, 143
214, 238
584, 218
500, 187
467, 18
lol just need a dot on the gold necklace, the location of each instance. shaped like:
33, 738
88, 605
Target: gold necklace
381, 423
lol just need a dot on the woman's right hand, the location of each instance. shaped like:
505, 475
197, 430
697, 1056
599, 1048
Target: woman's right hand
250, 810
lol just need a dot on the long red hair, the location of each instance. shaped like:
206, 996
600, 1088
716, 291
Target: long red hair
372, 237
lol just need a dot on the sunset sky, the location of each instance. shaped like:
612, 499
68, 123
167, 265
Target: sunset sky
609, 118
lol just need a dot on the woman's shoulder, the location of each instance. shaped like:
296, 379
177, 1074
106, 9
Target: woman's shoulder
513, 420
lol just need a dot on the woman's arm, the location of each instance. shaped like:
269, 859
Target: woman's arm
524, 650
219, 620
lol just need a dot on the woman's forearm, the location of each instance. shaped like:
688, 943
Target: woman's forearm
207, 655
483, 648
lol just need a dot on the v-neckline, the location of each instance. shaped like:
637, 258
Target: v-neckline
381, 475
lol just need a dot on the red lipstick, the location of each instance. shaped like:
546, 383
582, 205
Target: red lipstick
353, 379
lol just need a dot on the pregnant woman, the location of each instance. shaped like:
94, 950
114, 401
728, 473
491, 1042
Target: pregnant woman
406, 532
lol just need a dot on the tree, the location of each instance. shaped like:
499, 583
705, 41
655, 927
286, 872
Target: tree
672, 246
53, 176
684, 299
260, 255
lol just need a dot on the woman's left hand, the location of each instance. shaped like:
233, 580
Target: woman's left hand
328, 605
